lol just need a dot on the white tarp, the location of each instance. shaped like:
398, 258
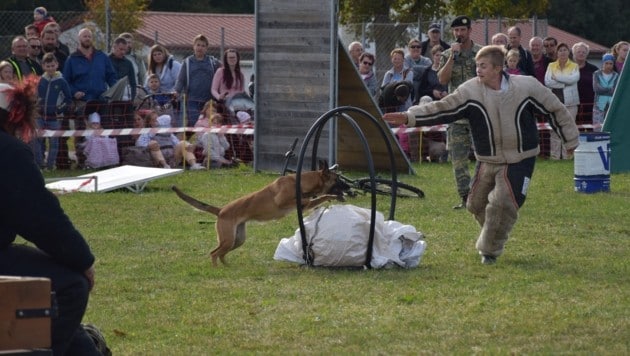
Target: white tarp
339, 238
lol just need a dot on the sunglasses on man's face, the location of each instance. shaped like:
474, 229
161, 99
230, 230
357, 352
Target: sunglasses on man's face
36, 47
415, 46
367, 63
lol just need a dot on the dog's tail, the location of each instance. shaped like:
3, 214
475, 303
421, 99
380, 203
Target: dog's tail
196, 203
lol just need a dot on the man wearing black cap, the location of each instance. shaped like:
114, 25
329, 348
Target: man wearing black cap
435, 38
457, 65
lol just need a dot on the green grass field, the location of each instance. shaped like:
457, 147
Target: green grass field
561, 287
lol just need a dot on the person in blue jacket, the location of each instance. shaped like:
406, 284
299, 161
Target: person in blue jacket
54, 99
58, 251
88, 70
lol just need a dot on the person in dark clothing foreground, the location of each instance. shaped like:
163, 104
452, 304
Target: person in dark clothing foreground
58, 251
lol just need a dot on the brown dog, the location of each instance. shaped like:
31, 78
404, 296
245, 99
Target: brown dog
272, 202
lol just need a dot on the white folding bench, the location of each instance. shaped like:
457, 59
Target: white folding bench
134, 178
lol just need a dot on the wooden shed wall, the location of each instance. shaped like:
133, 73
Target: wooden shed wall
301, 72
293, 75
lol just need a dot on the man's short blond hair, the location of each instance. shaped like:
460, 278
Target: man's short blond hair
495, 53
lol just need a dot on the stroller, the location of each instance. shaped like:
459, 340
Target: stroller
240, 110
162, 103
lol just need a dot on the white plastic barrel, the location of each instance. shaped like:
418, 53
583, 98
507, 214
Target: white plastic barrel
592, 163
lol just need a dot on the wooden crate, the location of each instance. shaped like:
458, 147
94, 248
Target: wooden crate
25, 308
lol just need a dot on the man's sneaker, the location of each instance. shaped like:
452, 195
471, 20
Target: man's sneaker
196, 167
488, 260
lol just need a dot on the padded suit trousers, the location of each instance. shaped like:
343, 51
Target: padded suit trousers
497, 192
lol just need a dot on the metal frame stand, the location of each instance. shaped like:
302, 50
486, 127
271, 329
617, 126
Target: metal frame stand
315, 131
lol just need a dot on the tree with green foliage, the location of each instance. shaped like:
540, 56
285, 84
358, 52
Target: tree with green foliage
388, 21
604, 22
125, 14
505, 8
353, 12
215, 6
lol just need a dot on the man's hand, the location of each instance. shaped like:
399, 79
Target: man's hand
395, 118
456, 48
89, 274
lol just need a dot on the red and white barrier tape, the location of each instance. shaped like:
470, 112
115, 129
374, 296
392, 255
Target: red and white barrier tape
226, 129
83, 184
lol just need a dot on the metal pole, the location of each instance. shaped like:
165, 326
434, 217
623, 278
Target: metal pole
222, 49
486, 29
108, 30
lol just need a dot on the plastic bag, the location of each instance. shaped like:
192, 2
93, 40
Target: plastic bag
339, 235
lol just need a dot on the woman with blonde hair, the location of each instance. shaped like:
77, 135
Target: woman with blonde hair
580, 52
511, 62
562, 77
7, 75
620, 52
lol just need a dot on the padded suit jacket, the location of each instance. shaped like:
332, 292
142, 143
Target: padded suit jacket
503, 123
28, 209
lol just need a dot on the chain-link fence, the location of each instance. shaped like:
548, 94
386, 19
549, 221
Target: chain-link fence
13, 23
377, 38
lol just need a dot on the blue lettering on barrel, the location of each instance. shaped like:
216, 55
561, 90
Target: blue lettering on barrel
604, 155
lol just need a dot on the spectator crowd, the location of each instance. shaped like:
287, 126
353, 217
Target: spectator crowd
123, 84
89, 89
431, 69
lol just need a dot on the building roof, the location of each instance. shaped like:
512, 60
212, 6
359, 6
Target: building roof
527, 32
176, 30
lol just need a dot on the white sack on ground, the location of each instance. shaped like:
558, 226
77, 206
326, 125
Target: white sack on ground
339, 236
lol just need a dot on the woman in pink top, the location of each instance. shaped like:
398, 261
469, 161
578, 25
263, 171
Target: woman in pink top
228, 80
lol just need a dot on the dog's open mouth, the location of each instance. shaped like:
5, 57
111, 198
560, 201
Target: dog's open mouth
340, 188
